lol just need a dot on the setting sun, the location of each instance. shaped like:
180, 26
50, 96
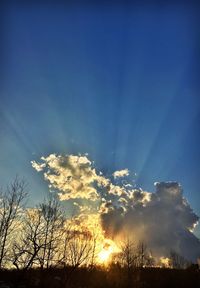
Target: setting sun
109, 247
104, 254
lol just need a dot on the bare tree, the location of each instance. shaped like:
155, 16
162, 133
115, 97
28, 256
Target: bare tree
66, 236
133, 256
52, 223
177, 261
40, 236
144, 256
128, 255
79, 249
30, 242
11, 202
79, 246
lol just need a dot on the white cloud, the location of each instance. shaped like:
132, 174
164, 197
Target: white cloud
38, 167
121, 173
71, 175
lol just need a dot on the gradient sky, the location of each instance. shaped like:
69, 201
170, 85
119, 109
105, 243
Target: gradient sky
119, 82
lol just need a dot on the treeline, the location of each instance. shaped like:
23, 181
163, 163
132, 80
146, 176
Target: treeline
99, 277
42, 238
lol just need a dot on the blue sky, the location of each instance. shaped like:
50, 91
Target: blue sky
119, 82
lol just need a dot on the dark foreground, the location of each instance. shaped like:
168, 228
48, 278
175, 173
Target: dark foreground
100, 278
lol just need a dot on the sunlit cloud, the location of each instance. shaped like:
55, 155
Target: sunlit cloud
72, 176
121, 173
163, 219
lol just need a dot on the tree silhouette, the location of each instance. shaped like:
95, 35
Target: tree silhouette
177, 261
80, 248
144, 257
53, 220
30, 242
12, 200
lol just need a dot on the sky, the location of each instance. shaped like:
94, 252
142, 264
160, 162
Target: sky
119, 82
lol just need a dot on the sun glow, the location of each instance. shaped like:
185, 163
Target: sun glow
90, 224
109, 247
104, 254
165, 262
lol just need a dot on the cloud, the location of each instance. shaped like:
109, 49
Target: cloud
72, 176
121, 173
38, 167
163, 219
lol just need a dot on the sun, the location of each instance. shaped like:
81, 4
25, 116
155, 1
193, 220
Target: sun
104, 255
109, 247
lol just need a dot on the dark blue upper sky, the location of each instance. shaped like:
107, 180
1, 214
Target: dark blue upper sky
119, 82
